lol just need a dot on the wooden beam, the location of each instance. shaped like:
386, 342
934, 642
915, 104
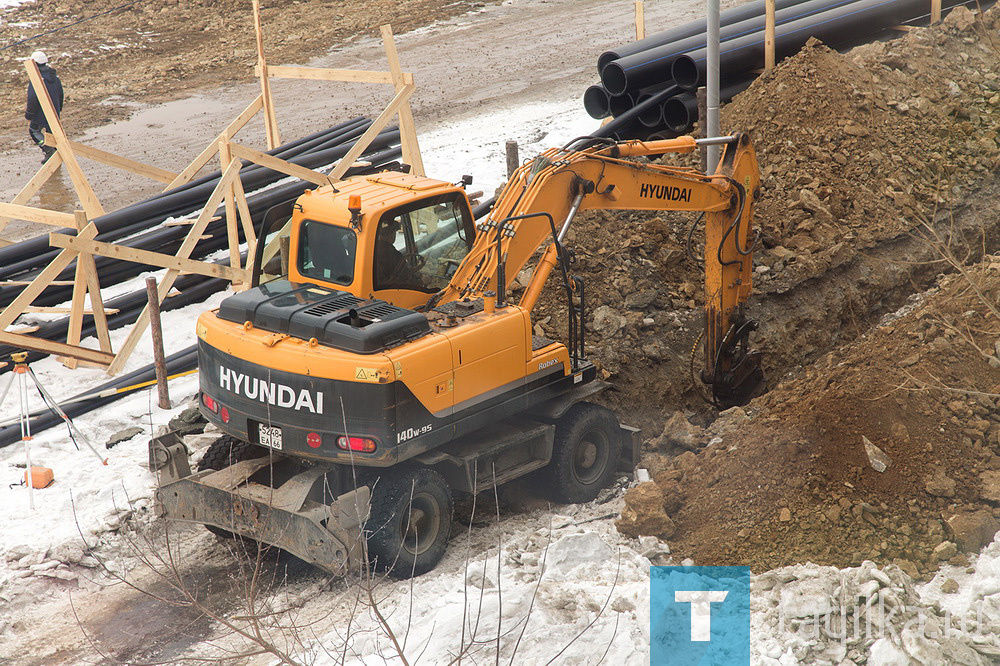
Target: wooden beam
184, 252
117, 161
407, 129
23, 283
88, 199
229, 132
41, 281
365, 139
769, 35
278, 164
40, 215
75, 329
40, 178
327, 74
640, 21
39, 309
28, 343
247, 221
270, 118
935, 11
147, 258
232, 233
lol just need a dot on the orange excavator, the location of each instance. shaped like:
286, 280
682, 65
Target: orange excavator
378, 364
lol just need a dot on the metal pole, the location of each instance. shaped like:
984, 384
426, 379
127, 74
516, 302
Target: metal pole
712, 84
153, 294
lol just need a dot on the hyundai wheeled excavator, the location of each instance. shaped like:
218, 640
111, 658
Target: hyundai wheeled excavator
378, 363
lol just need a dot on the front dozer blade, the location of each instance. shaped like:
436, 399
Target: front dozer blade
327, 535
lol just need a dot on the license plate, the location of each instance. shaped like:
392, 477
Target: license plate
270, 436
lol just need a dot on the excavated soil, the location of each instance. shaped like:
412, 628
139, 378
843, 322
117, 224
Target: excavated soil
858, 151
155, 52
878, 182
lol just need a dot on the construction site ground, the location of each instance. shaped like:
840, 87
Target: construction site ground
877, 282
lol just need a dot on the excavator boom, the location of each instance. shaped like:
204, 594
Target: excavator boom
545, 194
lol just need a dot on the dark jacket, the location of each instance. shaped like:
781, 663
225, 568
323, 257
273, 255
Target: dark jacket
33, 111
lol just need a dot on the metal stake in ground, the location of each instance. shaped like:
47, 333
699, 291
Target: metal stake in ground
159, 364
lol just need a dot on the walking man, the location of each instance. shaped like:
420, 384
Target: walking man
37, 123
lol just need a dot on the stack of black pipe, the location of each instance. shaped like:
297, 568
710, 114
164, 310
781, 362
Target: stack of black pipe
648, 86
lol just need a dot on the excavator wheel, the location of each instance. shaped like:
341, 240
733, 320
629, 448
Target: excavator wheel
584, 453
223, 452
410, 521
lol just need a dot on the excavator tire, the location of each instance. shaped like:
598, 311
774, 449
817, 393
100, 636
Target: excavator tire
584, 453
410, 521
223, 452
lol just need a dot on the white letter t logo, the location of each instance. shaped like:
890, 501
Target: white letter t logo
701, 611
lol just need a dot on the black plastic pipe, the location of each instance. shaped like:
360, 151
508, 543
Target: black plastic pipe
168, 239
597, 102
620, 125
680, 112
654, 65
844, 25
619, 104
734, 15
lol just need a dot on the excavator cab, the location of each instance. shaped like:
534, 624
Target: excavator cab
391, 237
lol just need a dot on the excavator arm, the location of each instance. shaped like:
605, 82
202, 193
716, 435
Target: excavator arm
544, 195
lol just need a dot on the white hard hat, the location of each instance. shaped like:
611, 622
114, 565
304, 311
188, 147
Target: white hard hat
39, 57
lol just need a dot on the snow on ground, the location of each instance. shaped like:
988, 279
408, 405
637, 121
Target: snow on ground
561, 582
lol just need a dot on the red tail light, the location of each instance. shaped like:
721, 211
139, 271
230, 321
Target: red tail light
361, 444
223, 414
210, 403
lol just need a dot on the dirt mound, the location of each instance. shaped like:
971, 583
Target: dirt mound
157, 51
857, 151
790, 480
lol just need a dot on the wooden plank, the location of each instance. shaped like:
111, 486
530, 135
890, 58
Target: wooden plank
40, 215
232, 234
74, 330
365, 139
247, 221
170, 277
147, 258
270, 118
28, 343
88, 199
640, 21
46, 277
117, 161
278, 164
407, 129
229, 132
39, 309
328, 74
935, 11
40, 178
22, 283
768, 35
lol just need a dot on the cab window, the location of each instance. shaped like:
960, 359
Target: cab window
327, 252
420, 246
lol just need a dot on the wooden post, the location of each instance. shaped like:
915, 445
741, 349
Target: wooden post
74, 331
270, 118
640, 21
154, 326
513, 161
226, 158
935, 11
407, 130
88, 199
769, 36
